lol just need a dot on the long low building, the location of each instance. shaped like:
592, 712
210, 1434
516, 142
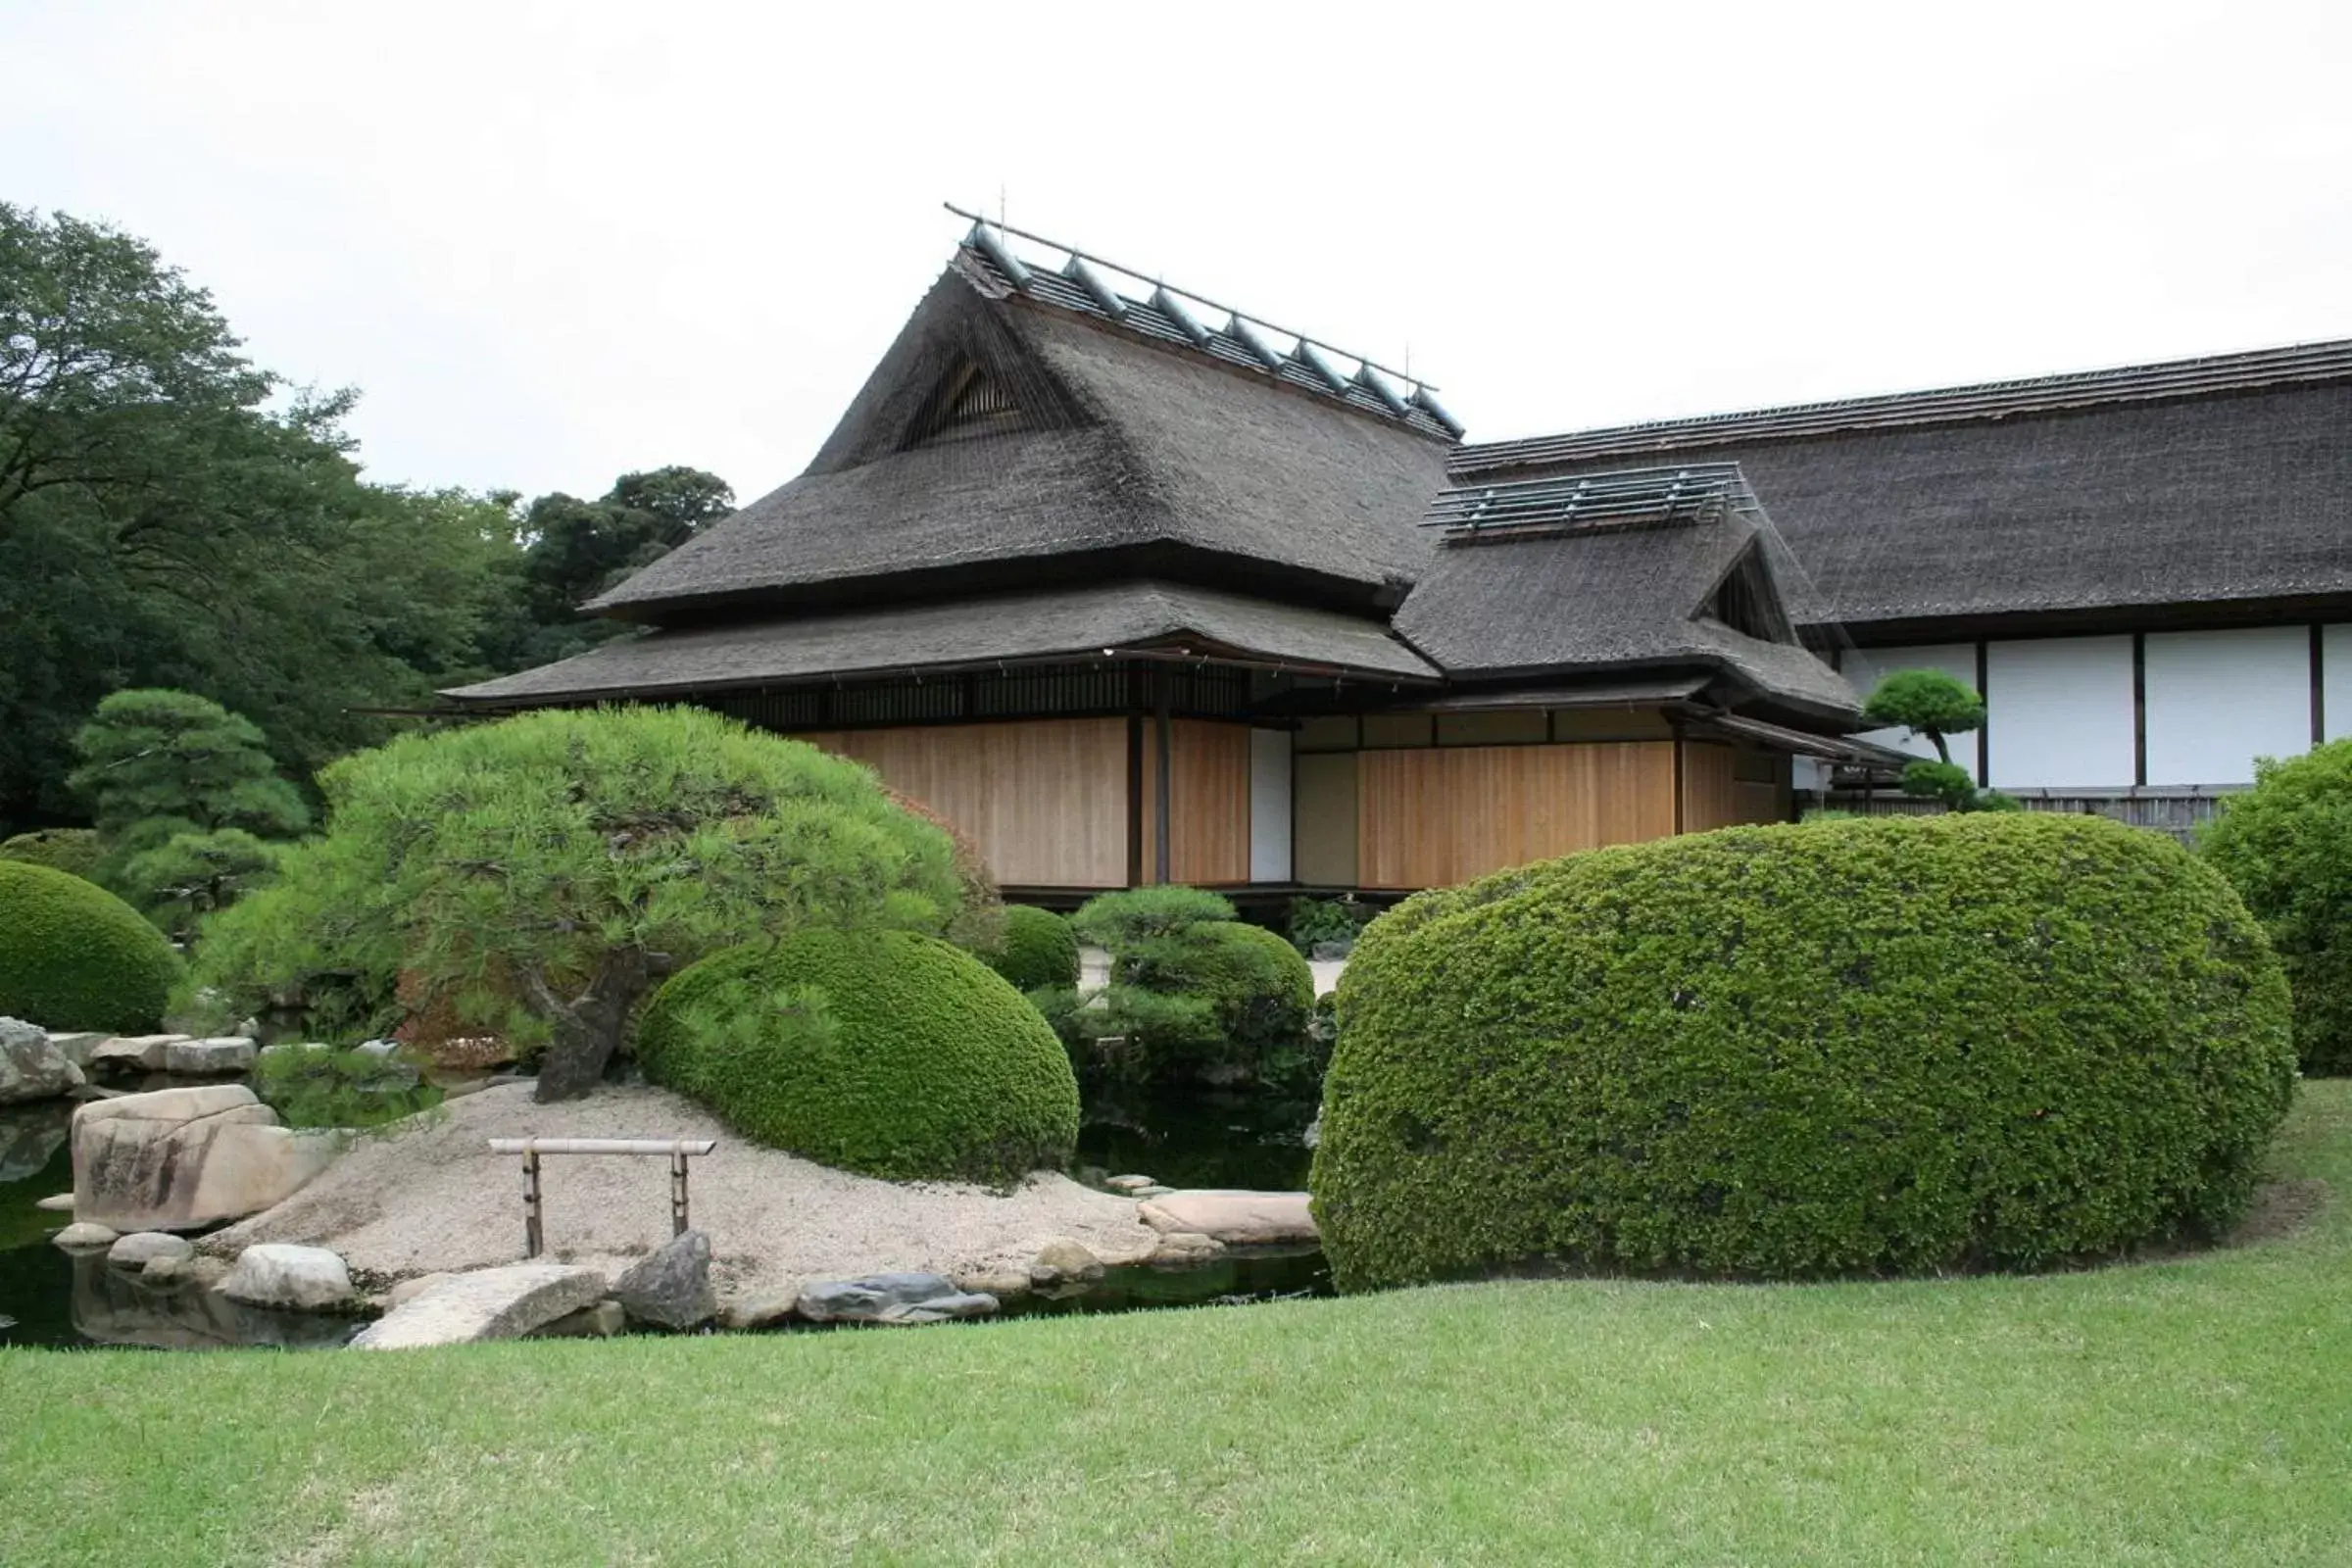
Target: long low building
1136, 588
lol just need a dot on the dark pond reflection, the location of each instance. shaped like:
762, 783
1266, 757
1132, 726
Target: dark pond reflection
52, 1298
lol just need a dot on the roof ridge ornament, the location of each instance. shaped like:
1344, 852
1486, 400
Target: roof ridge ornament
1089, 283
1589, 503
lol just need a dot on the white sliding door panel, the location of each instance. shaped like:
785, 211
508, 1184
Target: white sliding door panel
2059, 714
2217, 700
1270, 806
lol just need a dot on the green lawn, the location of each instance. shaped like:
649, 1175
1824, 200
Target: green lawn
2193, 1411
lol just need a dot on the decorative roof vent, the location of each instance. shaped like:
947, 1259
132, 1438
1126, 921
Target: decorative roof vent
1590, 503
969, 404
1089, 285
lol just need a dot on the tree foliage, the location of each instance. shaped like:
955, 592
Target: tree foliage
542, 873
1936, 706
171, 514
185, 794
574, 549
1925, 701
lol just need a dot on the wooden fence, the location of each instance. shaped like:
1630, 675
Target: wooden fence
2179, 813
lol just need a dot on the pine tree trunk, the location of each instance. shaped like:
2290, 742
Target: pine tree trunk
589, 1026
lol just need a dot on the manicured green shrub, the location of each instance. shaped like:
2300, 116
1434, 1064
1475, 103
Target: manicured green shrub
72, 849
1038, 949
1901, 1044
1194, 992
75, 956
886, 1053
2287, 846
1258, 987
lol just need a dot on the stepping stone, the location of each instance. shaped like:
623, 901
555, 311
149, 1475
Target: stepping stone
1235, 1217
141, 1247
892, 1298
301, 1279
488, 1303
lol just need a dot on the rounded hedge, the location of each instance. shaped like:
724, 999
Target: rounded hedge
1885, 1046
1262, 992
1038, 949
75, 956
61, 848
886, 1053
2287, 846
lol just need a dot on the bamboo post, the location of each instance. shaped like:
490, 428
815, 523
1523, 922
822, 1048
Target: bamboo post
533, 1233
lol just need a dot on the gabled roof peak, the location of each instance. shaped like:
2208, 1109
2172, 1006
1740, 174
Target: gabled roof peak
1090, 285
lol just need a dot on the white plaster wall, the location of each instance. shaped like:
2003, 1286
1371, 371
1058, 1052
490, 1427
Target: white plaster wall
2217, 700
1270, 806
2059, 714
1865, 668
2336, 669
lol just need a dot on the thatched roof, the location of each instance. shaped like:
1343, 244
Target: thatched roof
1692, 582
2217, 482
1062, 623
1010, 439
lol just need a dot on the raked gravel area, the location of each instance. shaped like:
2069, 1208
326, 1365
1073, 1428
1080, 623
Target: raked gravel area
431, 1196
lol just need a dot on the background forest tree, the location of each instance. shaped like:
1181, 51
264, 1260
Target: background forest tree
173, 515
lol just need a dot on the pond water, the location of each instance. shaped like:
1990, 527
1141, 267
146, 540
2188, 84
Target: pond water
55, 1299
1206, 1138
51, 1297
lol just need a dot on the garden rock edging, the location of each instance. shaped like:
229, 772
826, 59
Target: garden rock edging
488, 1303
31, 1067
671, 1287
894, 1298
301, 1279
185, 1159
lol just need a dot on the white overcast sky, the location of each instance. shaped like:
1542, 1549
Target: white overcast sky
553, 242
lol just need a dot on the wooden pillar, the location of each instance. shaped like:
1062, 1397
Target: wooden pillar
1135, 796
1163, 729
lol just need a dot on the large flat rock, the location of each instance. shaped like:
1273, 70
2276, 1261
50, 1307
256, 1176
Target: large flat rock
1236, 1217
184, 1158
488, 1303
132, 1053
209, 1058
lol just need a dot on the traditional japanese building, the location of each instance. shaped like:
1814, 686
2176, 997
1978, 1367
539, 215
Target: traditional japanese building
1133, 597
